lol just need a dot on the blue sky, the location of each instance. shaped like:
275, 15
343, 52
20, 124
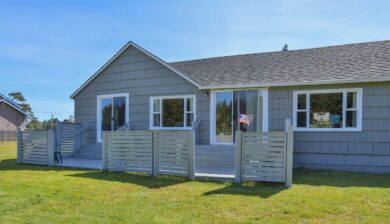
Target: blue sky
49, 48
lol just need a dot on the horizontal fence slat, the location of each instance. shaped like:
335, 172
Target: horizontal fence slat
133, 151
130, 151
34, 147
173, 152
173, 173
263, 156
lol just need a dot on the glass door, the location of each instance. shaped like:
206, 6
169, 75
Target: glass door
112, 114
237, 110
119, 113
106, 115
248, 111
224, 117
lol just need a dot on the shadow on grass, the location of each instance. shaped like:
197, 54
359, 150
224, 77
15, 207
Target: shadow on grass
131, 178
11, 164
301, 177
340, 178
139, 179
248, 190
312, 178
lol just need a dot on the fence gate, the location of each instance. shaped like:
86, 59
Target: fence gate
264, 156
175, 153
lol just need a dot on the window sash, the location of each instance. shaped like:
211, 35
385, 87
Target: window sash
161, 109
344, 127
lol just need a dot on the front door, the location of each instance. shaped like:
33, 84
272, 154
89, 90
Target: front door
236, 110
112, 114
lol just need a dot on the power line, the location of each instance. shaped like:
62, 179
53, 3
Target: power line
54, 112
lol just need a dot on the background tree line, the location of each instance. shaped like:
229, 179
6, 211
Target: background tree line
34, 123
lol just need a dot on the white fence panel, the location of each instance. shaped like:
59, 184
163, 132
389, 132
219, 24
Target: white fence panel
175, 152
153, 152
129, 151
36, 147
265, 156
67, 138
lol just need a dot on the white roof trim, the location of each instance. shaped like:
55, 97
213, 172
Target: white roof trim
14, 106
303, 83
130, 43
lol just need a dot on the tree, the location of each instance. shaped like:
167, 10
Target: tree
69, 120
17, 96
21, 101
35, 124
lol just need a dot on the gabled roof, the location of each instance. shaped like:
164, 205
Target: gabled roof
362, 62
6, 100
349, 63
124, 48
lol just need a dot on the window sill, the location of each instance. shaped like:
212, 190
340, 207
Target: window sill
171, 128
327, 129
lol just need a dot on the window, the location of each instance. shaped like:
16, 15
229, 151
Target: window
328, 110
172, 112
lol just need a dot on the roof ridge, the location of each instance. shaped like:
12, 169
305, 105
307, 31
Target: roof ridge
14, 104
282, 52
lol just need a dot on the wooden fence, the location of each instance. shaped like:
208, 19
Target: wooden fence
265, 156
152, 152
36, 147
8, 136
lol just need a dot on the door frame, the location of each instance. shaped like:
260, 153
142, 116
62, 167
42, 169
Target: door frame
99, 115
261, 91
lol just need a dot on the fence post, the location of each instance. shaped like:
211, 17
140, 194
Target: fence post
105, 151
289, 153
58, 133
191, 155
155, 153
51, 146
238, 161
19, 142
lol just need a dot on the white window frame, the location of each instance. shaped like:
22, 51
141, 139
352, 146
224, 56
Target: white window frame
161, 98
99, 115
359, 106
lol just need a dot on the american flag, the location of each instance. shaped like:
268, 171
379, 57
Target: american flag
246, 118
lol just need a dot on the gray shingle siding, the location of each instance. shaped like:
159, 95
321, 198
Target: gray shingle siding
368, 150
139, 75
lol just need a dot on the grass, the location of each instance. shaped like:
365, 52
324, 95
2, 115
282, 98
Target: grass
39, 194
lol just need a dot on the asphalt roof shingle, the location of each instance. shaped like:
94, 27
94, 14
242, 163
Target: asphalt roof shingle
350, 62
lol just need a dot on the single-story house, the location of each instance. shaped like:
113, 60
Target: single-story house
12, 116
338, 98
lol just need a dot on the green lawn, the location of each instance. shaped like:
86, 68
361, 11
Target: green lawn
38, 194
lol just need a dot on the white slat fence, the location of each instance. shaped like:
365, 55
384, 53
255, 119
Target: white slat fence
130, 151
66, 138
152, 152
265, 156
36, 147
175, 152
